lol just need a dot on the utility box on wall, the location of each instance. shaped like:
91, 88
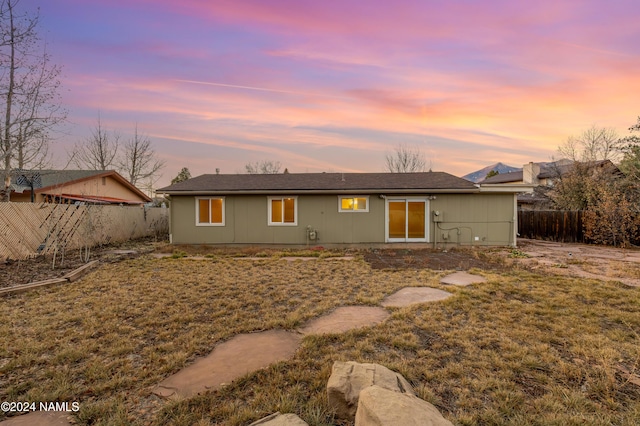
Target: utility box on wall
437, 216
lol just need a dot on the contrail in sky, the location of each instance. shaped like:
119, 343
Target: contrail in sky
592, 49
262, 89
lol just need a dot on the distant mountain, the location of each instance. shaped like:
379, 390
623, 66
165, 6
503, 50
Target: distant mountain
479, 175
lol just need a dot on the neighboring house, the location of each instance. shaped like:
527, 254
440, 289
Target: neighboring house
342, 208
70, 186
542, 177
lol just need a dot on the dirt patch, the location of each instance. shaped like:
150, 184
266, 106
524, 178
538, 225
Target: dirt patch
580, 260
439, 260
577, 260
17, 272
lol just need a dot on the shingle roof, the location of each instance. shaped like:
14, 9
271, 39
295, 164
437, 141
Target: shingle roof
53, 177
548, 170
504, 177
322, 182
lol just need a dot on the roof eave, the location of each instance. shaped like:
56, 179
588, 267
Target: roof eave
514, 188
327, 191
107, 173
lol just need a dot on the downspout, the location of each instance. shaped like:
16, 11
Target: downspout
435, 235
514, 221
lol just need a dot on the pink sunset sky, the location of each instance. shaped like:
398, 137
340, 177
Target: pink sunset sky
335, 85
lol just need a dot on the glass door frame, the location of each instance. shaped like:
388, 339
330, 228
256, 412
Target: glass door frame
406, 239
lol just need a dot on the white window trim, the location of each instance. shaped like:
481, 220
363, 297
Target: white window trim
427, 220
198, 211
295, 211
341, 197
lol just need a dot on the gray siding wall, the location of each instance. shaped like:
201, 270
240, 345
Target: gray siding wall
474, 219
467, 219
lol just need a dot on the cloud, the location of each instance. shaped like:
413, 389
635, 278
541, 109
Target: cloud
332, 84
262, 89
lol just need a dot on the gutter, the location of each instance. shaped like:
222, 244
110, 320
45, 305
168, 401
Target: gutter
325, 191
512, 188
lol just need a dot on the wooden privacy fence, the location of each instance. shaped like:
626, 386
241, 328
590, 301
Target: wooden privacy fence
562, 226
28, 230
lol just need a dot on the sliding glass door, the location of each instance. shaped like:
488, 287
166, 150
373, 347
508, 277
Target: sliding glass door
406, 220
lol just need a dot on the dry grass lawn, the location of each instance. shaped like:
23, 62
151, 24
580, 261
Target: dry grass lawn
521, 349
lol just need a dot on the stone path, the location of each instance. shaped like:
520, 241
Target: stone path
413, 295
462, 279
250, 352
240, 355
346, 318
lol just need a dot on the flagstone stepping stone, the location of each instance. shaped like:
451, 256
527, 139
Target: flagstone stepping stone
346, 318
462, 279
278, 419
39, 418
414, 295
232, 359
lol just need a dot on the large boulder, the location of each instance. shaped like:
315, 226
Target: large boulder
277, 419
349, 378
382, 407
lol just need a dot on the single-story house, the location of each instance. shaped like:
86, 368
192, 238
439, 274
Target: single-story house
342, 208
71, 186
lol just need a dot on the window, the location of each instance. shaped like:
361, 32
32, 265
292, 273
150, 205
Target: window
210, 211
353, 204
283, 211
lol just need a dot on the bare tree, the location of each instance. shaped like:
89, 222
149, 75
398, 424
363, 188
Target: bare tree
264, 167
29, 86
586, 153
97, 152
406, 159
138, 160
593, 144
589, 183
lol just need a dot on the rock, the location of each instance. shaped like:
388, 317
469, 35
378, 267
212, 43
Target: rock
232, 359
413, 295
277, 419
383, 407
462, 279
349, 378
346, 318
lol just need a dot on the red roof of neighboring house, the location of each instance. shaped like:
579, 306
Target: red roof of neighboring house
55, 180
